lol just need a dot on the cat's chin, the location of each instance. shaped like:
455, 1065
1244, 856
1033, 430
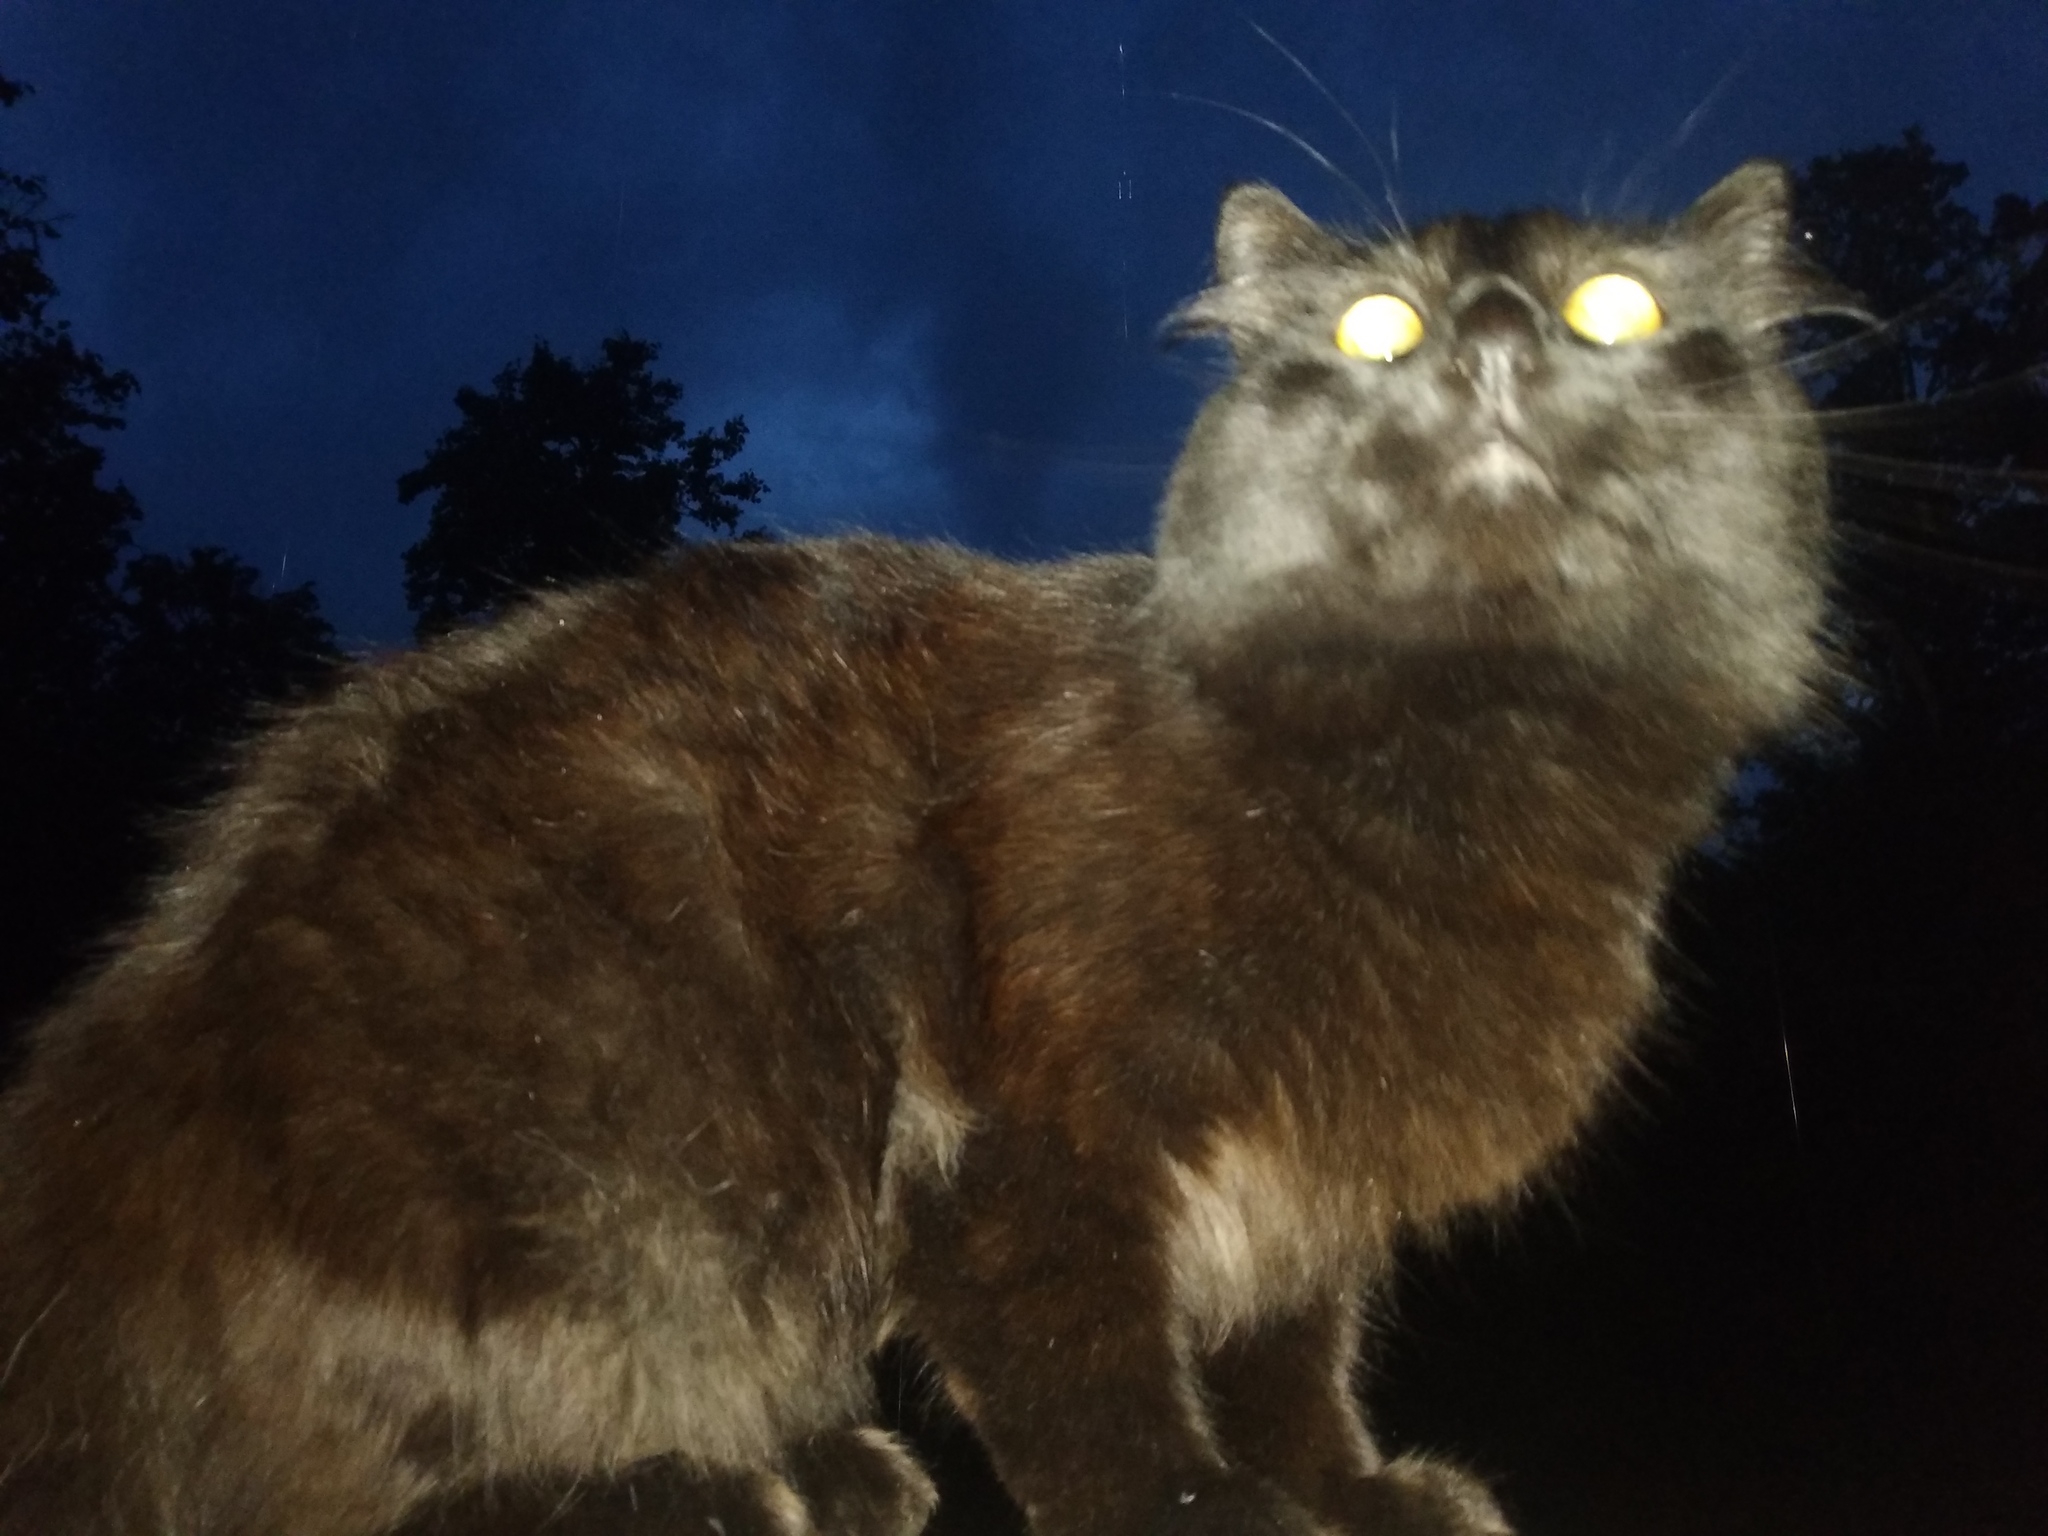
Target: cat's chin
1541, 603
1509, 549
1499, 471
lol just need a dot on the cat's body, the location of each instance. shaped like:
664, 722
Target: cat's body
584, 1041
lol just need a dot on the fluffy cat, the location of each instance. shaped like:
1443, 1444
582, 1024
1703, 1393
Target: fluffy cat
566, 1053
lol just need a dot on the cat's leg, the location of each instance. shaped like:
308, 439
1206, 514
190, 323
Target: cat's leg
1039, 1287
658, 1497
861, 1482
848, 1482
155, 1425
1283, 1404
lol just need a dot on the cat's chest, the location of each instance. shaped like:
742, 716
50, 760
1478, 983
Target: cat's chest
1254, 1233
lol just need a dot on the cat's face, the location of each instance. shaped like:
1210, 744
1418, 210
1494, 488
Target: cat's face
1463, 465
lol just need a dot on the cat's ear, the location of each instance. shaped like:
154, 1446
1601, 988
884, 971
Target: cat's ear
1259, 230
1748, 212
1746, 218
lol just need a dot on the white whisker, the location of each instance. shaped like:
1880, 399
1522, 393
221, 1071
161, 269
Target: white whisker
1364, 197
1934, 475
1386, 176
14, 1355
1692, 120
1922, 550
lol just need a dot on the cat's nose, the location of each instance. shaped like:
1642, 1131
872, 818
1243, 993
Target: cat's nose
1495, 339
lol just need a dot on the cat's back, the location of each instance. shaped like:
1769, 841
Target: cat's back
638, 857
756, 693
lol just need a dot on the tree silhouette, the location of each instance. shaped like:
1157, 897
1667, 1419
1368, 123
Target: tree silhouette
1966, 305
1940, 424
120, 674
563, 472
199, 644
62, 533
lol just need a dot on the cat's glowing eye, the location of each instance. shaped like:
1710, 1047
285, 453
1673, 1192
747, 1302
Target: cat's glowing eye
1612, 308
1380, 327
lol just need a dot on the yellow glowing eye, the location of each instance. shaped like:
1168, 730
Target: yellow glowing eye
1611, 308
1380, 327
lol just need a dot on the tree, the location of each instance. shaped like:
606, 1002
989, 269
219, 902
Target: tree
1963, 305
560, 473
1940, 425
62, 533
1875, 971
120, 674
199, 645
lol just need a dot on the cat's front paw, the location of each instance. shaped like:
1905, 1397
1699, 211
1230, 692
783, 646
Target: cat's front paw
1419, 1496
1233, 1504
861, 1482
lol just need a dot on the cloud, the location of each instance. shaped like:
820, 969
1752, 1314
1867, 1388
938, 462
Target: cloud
848, 440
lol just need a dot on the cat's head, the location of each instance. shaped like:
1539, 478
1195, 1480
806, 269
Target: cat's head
1527, 431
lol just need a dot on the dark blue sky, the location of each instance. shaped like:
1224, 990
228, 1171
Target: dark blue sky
888, 234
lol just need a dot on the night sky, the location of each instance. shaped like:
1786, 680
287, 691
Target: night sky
890, 236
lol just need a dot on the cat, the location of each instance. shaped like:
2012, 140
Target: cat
565, 1055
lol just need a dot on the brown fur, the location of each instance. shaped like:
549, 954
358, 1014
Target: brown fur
566, 1054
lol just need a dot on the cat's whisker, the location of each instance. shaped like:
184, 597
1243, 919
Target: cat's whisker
1127, 461
1917, 550
1707, 103
1762, 420
1386, 176
1893, 414
1873, 338
1394, 144
1692, 120
567, 1502
1887, 418
1364, 197
1935, 475
24, 1458
1208, 375
1944, 475
1957, 294
1598, 169
14, 1355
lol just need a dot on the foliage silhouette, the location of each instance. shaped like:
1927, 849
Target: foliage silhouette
1941, 432
62, 533
200, 642
121, 675
560, 473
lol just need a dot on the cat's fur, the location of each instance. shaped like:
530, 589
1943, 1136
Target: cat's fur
582, 1041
